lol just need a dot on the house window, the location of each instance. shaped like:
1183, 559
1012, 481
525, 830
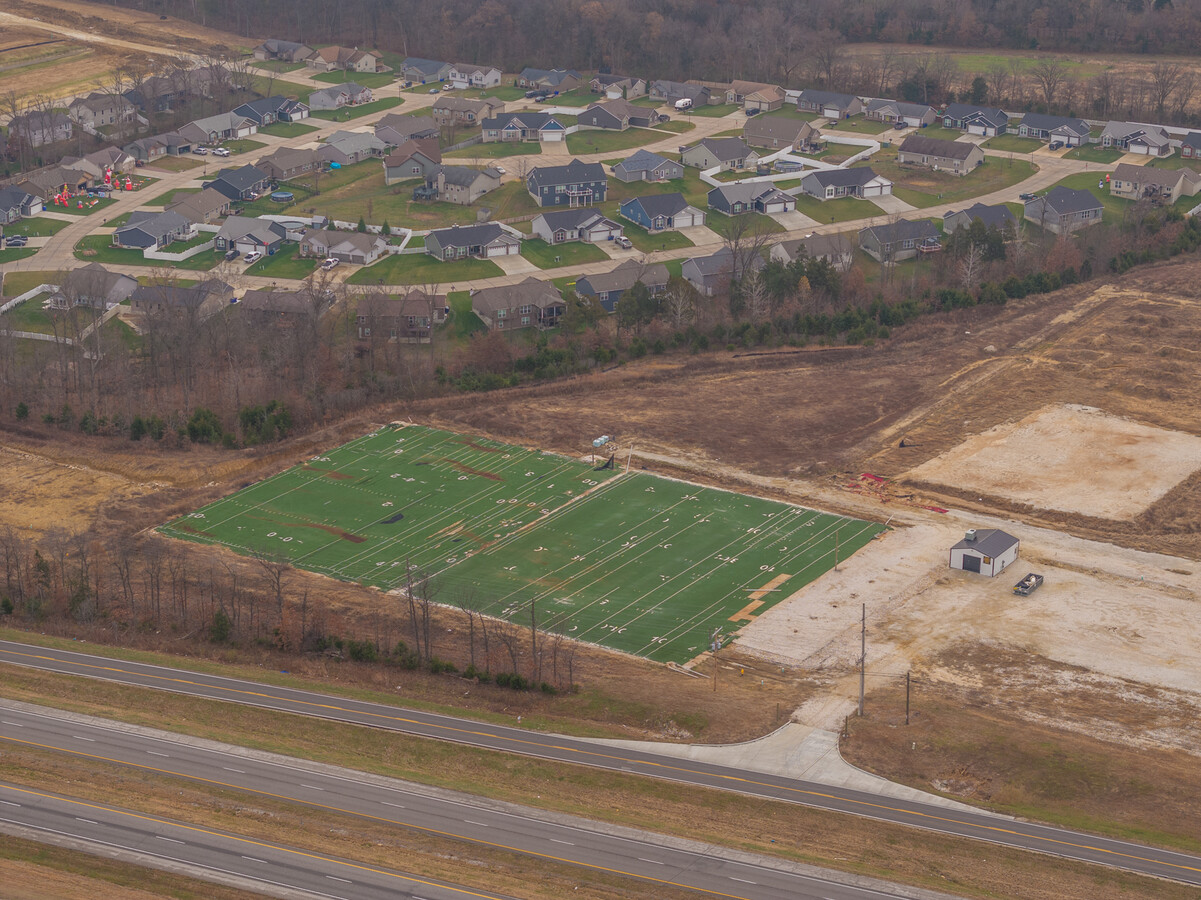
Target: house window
501, 313
525, 310
525, 320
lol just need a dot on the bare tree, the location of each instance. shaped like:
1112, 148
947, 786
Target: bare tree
1049, 75
1165, 76
970, 265
997, 78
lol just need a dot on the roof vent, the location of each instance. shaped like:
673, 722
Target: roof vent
970, 535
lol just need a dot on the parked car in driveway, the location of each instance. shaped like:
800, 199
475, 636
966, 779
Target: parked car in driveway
329, 264
16, 240
1055, 145
433, 90
200, 151
253, 256
1027, 196
220, 151
623, 242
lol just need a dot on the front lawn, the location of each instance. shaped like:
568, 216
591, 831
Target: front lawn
677, 127
1173, 162
1012, 143
711, 112
11, 256
859, 126
118, 221
346, 113
286, 263
650, 243
176, 163
496, 150
572, 99
1115, 207
555, 256
593, 141
39, 227
243, 145
371, 80
98, 248
171, 196
791, 112
845, 209
90, 205
287, 129
694, 190
758, 223
424, 269
937, 132
278, 66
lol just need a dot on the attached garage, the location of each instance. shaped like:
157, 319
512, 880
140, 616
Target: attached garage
986, 551
553, 136
832, 112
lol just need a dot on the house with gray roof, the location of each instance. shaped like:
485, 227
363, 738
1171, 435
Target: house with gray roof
286, 51
246, 235
575, 184
898, 112
339, 95
713, 274
997, 216
17, 204
558, 80
349, 147
244, 183
41, 127
830, 104
146, 230
522, 126
532, 303
1073, 132
756, 196
289, 162
616, 115
1156, 185
836, 249
1190, 145
221, 127
269, 110
98, 110
1149, 140
672, 92
395, 129
955, 157
985, 121
662, 212
985, 551
346, 246
412, 159
729, 154
202, 208
607, 287
93, 286
462, 184
830, 184
896, 241
776, 133
471, 242
1063, 210
647, 166
579, 224
408, 319
148, 302
470, 75
618, 86
421, 71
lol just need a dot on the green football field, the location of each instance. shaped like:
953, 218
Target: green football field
634, 562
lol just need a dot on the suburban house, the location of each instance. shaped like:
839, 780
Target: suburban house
1149, 140
522, 126
999, 217
462, 184
575, 184
221, 127
272, 109
471, 241
1073, 132
346, 246
202, 300
579, 224
1190, 145
394, 129
16, 204
557, 80
246, 235
146, 149
1063, 210
830, 184
278, 308
1157, 185
50, 181
93, 286
836, 249
729, 153
736, 199
899, 240
41, 128
894, 112
285, 51
147, 230
616, 115
712, 274
203, 208
674, 91
244, 183
647, 166
956, 157
112, 158
412, 159
662, 212
532, 303
339, 95
830, 104
99, 110
462, 111
288, 162
351, 59
349, 147
981, 120
408, 320
753, 95
774, 133
617, 87
176, 143
607, 287
466, 75
421, 71
986, 551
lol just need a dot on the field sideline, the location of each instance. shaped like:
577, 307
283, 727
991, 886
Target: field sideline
635, 562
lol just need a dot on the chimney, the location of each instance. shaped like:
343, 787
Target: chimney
970, 535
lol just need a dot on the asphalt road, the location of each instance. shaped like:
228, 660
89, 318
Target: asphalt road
639, 855
1057, 841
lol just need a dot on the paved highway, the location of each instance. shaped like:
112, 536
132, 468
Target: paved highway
1061, 842
639, 855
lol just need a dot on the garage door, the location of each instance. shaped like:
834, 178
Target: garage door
871, 190
971, 563
554, 136
976, 129
246, 246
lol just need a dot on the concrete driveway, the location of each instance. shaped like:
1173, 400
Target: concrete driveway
892, 205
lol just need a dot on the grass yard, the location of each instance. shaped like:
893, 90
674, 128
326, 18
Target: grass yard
463, 321
937, 132
175, 163
286, 263
180, 246
270, 86
371, 80
495, 150
1174, 162
1115, 207
43, 226
1012, 143
243, 145
791, 112
346, 113
711, 112
661, 240
424, 269
859, 126
287, 129
845, 209
694, 190
759, 223
278, 66
31, 316
11, 256
118, 221
97, 248
593, 141
555, 256
171, 196
17, 283
923, 187
676, 127
1094, 153
90, 206
633, 562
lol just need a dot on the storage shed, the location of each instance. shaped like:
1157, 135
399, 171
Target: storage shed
985, 550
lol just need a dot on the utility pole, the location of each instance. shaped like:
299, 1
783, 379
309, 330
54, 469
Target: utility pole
715, 643
906, 696
862, 657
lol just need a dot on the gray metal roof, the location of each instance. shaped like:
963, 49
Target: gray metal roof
645, 161
580, 217
469, 235
572, 173
726, 148
842, 177
966, 111
1069, 200
996, 216
662, 204
989, 542
902, 230
915, 143
242, 179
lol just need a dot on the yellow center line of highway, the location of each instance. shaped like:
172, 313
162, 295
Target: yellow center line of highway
667, 767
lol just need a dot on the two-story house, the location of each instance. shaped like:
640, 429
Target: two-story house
575, 184
1063, 210
531, 303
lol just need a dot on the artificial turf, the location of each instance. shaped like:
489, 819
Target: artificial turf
631, 561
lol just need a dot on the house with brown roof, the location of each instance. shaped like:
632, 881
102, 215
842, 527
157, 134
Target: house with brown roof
956, 157
1157, 185
346, 246
289, 162
754, 95
407, 319
616, 115
203, 208
282, 309
412, 159
450, 110
350, 59
836, 249
616, 87
462, 185
532, 303
772, 133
